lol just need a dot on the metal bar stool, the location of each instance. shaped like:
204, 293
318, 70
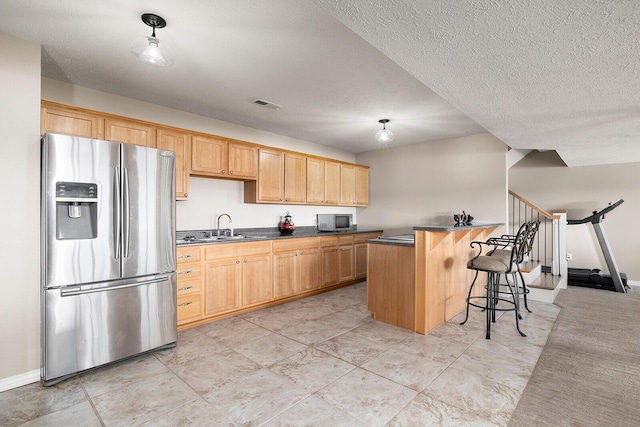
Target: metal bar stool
502, 249
495, 266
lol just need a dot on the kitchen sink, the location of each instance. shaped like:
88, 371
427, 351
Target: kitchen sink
221, 239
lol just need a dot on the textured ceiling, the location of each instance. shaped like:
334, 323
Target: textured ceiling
542, 74
537, 74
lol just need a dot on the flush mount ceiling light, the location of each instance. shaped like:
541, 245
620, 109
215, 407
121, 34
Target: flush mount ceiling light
149, 49
384, 135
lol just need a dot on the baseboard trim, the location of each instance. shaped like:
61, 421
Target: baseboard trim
633, 283
19, 380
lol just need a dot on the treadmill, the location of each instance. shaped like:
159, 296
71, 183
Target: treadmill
611, 280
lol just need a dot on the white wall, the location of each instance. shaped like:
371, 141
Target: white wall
20, 214
427, 183
208, 197
543, 179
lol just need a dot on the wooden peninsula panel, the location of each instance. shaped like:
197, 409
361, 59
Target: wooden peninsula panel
391, 284
442, 279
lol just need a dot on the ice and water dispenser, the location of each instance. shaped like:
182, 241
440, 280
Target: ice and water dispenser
76, 210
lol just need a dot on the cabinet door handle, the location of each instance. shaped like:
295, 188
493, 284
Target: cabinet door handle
184, 256
244, 260
230, 172
238, 262
185, 288
185, 272
184, 304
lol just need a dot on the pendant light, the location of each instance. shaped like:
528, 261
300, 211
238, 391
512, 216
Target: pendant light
384, 135
149, 49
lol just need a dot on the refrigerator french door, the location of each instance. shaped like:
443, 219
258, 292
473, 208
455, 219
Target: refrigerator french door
108, 253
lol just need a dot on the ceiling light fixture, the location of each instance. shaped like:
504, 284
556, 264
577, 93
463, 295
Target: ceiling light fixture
384, 135
148, 49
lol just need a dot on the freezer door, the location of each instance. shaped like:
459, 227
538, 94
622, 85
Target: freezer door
148, 204
90, 325
79, 244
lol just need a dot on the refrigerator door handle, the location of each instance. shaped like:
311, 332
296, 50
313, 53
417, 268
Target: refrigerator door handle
117, 212
77, 290
125, 213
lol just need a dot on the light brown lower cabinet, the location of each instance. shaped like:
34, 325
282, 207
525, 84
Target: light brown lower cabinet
189, 284
217, 280
338, 264
256, 285
221, 286
236, 275
360, 253
345, 263
296, 266
329, 260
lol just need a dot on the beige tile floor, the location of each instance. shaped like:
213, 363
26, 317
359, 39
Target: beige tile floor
319, 361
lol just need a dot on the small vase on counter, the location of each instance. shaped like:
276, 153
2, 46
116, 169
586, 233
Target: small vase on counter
286, 226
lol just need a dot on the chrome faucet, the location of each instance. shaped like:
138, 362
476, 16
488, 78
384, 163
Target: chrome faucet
230, 227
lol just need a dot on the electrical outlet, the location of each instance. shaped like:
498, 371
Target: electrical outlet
569, 257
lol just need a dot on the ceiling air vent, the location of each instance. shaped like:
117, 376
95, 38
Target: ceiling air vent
266, 104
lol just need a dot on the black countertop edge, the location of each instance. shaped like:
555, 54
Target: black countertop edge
454, 227
260, 234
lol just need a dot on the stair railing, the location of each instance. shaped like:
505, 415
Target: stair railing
548, 244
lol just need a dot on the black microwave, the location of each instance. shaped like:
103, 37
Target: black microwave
335, 222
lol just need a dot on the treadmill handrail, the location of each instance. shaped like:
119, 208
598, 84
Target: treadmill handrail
597, 216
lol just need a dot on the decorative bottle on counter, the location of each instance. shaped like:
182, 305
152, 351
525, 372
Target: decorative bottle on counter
286, 226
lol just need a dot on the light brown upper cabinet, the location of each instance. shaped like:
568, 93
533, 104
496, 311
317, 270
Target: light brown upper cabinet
323, 181
243, 160
282, 178
168, 139
362, 186
223, 158
63, 120
295, 178
271, 175
129, 132
347, 184
331, 182
354, 185
268, 188
315, 181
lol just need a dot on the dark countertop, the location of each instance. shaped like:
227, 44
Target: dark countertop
391, 243
390, 240
256, 234
395, 240
453, 227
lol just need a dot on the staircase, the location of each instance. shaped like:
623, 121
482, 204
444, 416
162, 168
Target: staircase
545, 273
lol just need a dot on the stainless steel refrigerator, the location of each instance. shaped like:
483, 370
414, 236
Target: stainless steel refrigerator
107, 253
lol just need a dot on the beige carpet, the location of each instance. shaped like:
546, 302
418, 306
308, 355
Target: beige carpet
589, 371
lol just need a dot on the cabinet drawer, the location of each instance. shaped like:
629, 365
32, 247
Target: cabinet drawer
292, 245
188, 287
329, 241
345, 240
188, 254
188, 308
188, 272
232, 250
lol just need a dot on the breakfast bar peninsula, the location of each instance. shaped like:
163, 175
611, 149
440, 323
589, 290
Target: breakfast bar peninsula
420, 286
